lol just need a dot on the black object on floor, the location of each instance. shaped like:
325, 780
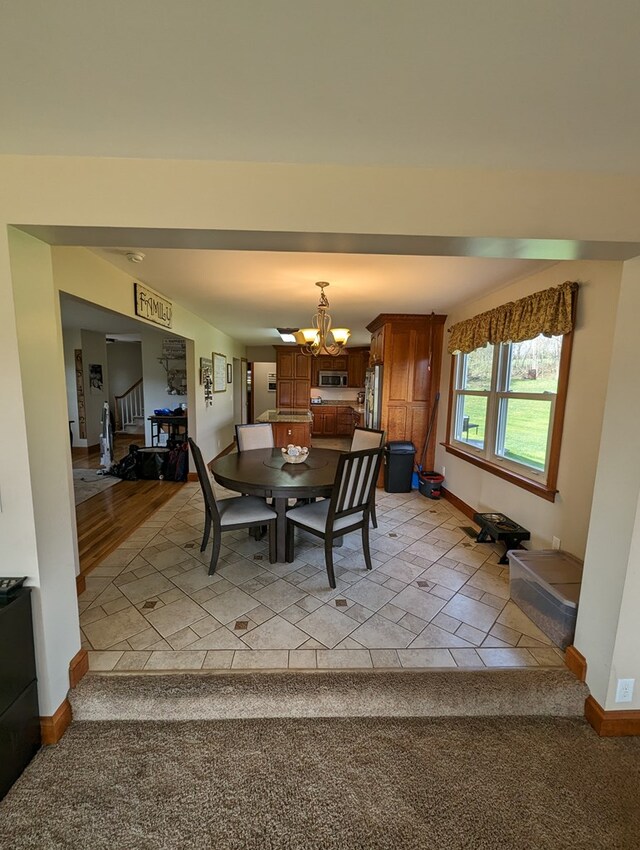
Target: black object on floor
498, 527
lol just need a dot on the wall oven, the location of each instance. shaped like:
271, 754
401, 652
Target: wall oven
333, 379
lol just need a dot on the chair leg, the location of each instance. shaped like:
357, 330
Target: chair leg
365, 543
328, 557
374, 520
207, 531
215, 553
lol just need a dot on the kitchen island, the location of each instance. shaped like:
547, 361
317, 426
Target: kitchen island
289, 426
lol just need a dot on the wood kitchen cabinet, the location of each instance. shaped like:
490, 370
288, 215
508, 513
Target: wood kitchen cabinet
332, 420
344, 422
410, 347
354, 362
357, 366
297, 433
293, 378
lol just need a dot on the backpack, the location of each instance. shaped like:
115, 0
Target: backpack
177, 462
127, 467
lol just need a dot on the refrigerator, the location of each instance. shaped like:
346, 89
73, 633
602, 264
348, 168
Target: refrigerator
373, 397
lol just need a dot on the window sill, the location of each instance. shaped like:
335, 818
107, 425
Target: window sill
542, 490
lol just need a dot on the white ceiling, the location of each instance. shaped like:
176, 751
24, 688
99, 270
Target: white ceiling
550, 84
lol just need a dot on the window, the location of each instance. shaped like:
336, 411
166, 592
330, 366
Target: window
507, 405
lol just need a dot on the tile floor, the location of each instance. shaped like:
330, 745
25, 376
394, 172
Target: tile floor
434, 598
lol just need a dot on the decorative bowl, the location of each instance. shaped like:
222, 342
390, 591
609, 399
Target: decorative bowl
295, 454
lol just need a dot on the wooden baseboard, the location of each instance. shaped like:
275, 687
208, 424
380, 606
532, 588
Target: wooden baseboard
466, 509
192, 476
609, 724
53, 728
78, 666
576, 662
81, 584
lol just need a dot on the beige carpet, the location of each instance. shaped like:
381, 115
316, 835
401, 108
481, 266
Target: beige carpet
329, 784
393, 693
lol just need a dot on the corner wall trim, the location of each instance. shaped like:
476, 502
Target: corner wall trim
576, 662
53, 728
466, 509
78, 666
81, 584
609, 724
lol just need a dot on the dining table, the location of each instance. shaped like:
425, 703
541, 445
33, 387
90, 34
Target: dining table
268, 473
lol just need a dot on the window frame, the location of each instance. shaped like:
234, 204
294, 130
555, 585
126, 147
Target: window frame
486, 458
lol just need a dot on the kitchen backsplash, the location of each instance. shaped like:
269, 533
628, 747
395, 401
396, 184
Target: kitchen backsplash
336, 393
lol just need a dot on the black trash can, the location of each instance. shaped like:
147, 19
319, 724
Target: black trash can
399, 457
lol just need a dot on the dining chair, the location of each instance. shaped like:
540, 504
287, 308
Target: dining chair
230, 514
256, 436
368, 438
348, 509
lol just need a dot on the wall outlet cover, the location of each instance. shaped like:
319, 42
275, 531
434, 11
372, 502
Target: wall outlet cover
624, 690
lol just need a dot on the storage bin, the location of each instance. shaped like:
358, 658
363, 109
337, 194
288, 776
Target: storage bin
398, 466
545, 585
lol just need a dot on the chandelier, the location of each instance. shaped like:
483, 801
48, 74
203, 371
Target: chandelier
315, 340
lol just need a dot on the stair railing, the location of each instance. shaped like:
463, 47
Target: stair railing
129, 406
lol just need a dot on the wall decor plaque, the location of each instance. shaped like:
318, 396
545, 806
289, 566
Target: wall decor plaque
152, 306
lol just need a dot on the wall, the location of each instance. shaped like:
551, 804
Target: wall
568, 517
607, 631
94, 351
156, 396
124, 362
262, 398
72, 341
261, 353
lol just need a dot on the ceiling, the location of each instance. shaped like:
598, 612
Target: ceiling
430, 83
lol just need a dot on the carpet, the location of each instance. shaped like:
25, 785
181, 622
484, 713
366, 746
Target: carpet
87, 483
329, 784
343, 693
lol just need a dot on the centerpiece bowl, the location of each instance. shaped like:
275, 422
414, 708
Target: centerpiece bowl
295, 454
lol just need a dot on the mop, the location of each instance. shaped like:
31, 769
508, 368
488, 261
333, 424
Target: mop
427, 487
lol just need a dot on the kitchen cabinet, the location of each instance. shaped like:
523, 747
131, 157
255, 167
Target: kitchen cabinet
332, 420
357, 366
297, 433
344, 422
410, 347
293, 378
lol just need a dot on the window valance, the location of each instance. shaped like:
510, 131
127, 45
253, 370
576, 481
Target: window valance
549, 312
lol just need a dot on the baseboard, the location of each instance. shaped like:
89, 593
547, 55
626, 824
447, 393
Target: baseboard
81, 584
192, 476
53, 728
609, 724
466, 509
78, 666
576, 662
79, 451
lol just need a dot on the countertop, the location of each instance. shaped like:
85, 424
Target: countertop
285, 415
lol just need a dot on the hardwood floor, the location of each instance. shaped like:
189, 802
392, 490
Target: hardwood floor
107, 519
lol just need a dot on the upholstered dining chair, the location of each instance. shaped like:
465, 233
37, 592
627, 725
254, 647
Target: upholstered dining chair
368, 438
230, 514
257, 436
347, 510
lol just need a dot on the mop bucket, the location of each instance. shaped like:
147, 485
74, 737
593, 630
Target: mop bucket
429, 484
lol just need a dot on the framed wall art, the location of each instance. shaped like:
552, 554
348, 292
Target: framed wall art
219, 373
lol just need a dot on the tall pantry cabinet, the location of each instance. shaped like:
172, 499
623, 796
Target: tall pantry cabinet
409, 347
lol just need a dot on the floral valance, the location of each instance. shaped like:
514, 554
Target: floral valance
549, 312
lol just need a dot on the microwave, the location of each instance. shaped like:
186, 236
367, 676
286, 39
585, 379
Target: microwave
333, 379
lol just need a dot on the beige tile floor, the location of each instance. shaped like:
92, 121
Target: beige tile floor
434, 598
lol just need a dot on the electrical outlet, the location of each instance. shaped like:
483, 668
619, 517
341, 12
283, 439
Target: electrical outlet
624, 691
555, 542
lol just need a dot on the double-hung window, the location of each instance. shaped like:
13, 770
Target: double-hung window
507, 404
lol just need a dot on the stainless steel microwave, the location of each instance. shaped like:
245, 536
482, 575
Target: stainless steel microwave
333, 379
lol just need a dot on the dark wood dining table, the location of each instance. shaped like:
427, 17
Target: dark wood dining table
264, 472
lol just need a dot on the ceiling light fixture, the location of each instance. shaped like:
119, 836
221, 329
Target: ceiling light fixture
315, 340
135, 256
287, 334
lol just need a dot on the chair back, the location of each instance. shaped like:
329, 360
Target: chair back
366, 438
258, 436
205, 482
355, 479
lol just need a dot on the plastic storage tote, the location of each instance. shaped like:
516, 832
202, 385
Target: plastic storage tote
546, 586
399, 457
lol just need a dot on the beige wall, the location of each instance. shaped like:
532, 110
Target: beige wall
121, 193
567, 518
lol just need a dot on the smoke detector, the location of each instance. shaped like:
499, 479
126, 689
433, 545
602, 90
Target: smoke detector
135, 256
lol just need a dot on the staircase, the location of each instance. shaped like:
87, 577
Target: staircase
129, 410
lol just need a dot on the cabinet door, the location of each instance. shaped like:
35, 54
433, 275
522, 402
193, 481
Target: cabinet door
302, 367
301, 392
285, 393
286, 364
344, 424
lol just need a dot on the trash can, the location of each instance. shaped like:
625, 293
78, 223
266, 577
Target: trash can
399, 457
